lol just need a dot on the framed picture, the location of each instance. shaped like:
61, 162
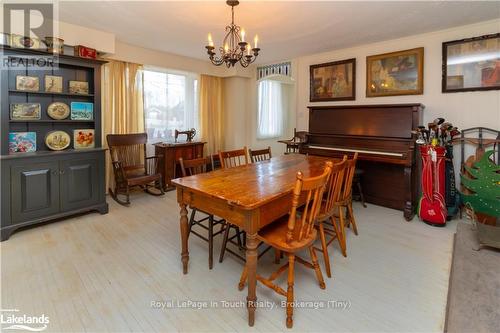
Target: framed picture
333, 81
82, 111
27, 83
22, 142
25, 111
19, 41
58, 110
471, 64
83, 138
53, 83
395, 73
78, 87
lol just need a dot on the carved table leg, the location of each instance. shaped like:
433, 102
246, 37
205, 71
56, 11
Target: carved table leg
251, 256
184, 238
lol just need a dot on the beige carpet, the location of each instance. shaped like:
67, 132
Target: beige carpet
474, 294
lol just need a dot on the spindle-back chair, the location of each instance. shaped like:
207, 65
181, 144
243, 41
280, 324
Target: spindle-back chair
260, 155
233, 158
131, 166
294, 233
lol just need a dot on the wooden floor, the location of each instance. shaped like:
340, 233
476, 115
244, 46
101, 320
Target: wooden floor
99, 273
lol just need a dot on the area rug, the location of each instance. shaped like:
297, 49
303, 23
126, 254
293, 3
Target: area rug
474, 289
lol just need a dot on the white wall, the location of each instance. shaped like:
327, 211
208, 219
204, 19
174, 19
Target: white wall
465, 110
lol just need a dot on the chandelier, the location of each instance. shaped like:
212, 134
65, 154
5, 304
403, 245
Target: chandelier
235, 49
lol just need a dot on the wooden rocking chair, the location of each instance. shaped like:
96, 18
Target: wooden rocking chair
131, 167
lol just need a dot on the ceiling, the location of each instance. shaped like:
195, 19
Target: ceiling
286, 29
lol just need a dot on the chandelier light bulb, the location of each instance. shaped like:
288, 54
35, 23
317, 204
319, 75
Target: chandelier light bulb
210, 41
255, 40
242, 35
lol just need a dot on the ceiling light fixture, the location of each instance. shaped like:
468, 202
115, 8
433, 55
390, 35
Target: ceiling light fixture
234, 48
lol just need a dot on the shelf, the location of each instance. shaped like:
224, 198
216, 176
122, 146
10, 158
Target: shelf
43, 153
45, 53
67, 121
49, 93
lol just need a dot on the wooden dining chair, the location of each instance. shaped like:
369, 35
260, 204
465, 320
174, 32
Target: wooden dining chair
194, 167
260, 155
329, 208
293, 233
131, 166
343, 214
231, 159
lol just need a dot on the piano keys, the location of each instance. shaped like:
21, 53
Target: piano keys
381, 134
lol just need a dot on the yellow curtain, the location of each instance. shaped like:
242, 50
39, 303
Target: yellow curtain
122, 103
212, 112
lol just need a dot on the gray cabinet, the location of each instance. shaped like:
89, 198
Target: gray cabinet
42, 188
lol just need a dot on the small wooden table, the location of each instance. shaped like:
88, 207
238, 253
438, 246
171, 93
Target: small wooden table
249, 196
171, 152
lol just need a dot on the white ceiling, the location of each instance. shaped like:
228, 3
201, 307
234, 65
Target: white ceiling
286, 29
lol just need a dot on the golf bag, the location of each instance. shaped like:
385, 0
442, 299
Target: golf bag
452, 197
432, 206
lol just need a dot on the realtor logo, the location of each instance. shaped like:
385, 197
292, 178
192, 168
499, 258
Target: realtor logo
33, 20
11, 319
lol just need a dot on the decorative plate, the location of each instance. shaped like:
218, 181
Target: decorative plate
57, 140
58, 110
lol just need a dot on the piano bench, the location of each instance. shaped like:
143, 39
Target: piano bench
356, 181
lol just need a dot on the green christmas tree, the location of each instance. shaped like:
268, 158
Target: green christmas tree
485, 184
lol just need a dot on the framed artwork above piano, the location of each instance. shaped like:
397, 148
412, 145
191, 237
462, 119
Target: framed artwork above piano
381, 134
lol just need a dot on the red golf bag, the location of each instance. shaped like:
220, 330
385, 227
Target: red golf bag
432, 205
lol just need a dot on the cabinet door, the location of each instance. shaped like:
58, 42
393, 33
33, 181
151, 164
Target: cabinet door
35, 191
79, 183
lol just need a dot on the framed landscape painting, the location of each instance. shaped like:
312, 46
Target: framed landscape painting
333, 81
395, 73
471, 64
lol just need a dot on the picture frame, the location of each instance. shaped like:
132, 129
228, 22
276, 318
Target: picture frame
471, 64
82, 111
83, 138
23, 42
395, 73
53, 83
79, 87
27, 83
58, 110
22, 142
333, 81
25, 111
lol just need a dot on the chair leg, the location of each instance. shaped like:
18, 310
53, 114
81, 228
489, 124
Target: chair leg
191, 220
339, 235
289, 292
224, 242
342, 232
324, 247
210, 241
361, 196
243, 278
352, 219
238, 236
277, 255
114, 195
319, 276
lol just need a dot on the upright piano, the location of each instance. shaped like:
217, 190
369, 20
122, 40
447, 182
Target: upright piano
381, 134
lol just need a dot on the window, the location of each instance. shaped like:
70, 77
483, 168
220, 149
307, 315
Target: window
271, 109
170, 103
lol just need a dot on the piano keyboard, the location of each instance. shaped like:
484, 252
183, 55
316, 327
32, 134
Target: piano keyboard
358, 151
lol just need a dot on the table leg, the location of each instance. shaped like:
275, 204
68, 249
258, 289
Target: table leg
184, 238
251, 256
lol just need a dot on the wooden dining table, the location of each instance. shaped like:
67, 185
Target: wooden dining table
250, 197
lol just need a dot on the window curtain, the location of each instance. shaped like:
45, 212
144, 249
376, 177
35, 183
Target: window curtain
271, 109
122, 104
212, 112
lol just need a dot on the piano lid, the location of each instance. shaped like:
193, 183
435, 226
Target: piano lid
382, 121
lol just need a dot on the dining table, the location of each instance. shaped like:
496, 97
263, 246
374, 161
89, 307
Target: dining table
249, 196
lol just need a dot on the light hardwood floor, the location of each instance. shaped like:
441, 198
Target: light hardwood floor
98, 273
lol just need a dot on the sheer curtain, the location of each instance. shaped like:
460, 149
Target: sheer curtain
271, 109
122, 103
212, 112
